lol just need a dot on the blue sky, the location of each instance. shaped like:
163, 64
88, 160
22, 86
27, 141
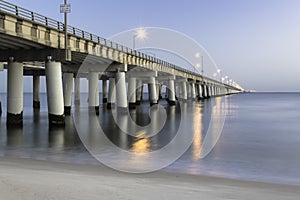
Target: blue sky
255, 42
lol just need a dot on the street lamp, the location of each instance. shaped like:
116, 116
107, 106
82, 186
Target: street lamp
220, 74
139, 33
66, 8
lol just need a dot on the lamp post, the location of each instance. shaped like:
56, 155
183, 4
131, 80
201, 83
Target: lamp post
220, 74
66, 8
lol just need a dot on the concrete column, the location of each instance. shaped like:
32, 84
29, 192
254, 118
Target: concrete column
152, 91
104, 91
204, 90
193, 88
200, 91
157, 90
94, 91
132, 92
208, 91
68, 88
55, 96
36, 92
14, 93
139, 91
111, 93
121, 90
171, 92
77, 90
184, 90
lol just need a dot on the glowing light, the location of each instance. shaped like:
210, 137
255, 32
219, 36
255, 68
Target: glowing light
141, 33
197, 55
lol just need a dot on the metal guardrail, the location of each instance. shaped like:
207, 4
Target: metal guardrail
23, 13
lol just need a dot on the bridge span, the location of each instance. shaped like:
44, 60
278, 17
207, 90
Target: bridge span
33, 45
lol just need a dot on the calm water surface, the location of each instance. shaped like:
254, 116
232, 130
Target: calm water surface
260, 139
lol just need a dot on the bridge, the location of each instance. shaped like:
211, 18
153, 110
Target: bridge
34, 45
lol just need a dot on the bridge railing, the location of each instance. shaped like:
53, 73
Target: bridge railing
23, 13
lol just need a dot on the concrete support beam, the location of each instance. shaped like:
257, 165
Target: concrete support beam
54, 93
104, 91
193, 91
111, 100
14, 93
36, 92
152, 91
67, 88
121, 90
77, 90
171, 92
94, 92
139, 91
184, 90
132, 92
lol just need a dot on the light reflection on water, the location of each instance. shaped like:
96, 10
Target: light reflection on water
260, 139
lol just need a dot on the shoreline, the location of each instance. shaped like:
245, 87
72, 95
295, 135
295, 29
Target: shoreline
32, 179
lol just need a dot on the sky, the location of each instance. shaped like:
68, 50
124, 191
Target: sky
254, 42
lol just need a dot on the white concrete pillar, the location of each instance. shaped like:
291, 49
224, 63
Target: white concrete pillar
36, 92
77, 90
104, 91
94, 91
152, 91
139, 91
68, 88
157, 90
55, 96
184, 90
204, 90
208, 92
14, 93
200, 91
121, 90
111, 100
171, 92
132, 92
193, 88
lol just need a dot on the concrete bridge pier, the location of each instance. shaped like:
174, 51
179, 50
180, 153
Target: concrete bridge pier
55, 96
77, 90
104, 91
193, 91
121, 93
184, 90
93, 79
200, 91
139, 91
132, 92
152, 91
67, 89
204, 91
111, 100
36, 92
14, 93
171, 92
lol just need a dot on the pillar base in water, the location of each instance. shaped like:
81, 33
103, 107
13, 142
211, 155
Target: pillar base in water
67, 110
36, 104
132, 105
104, 100
122, 109
110, 105
94, 110
153, 103
56, 120
172, 103
138, 103
14, 119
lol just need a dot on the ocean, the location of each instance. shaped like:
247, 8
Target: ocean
258, 137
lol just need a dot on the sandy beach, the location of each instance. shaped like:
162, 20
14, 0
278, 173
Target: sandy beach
31, 179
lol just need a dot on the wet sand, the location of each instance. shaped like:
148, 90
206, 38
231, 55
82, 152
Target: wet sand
31, 179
